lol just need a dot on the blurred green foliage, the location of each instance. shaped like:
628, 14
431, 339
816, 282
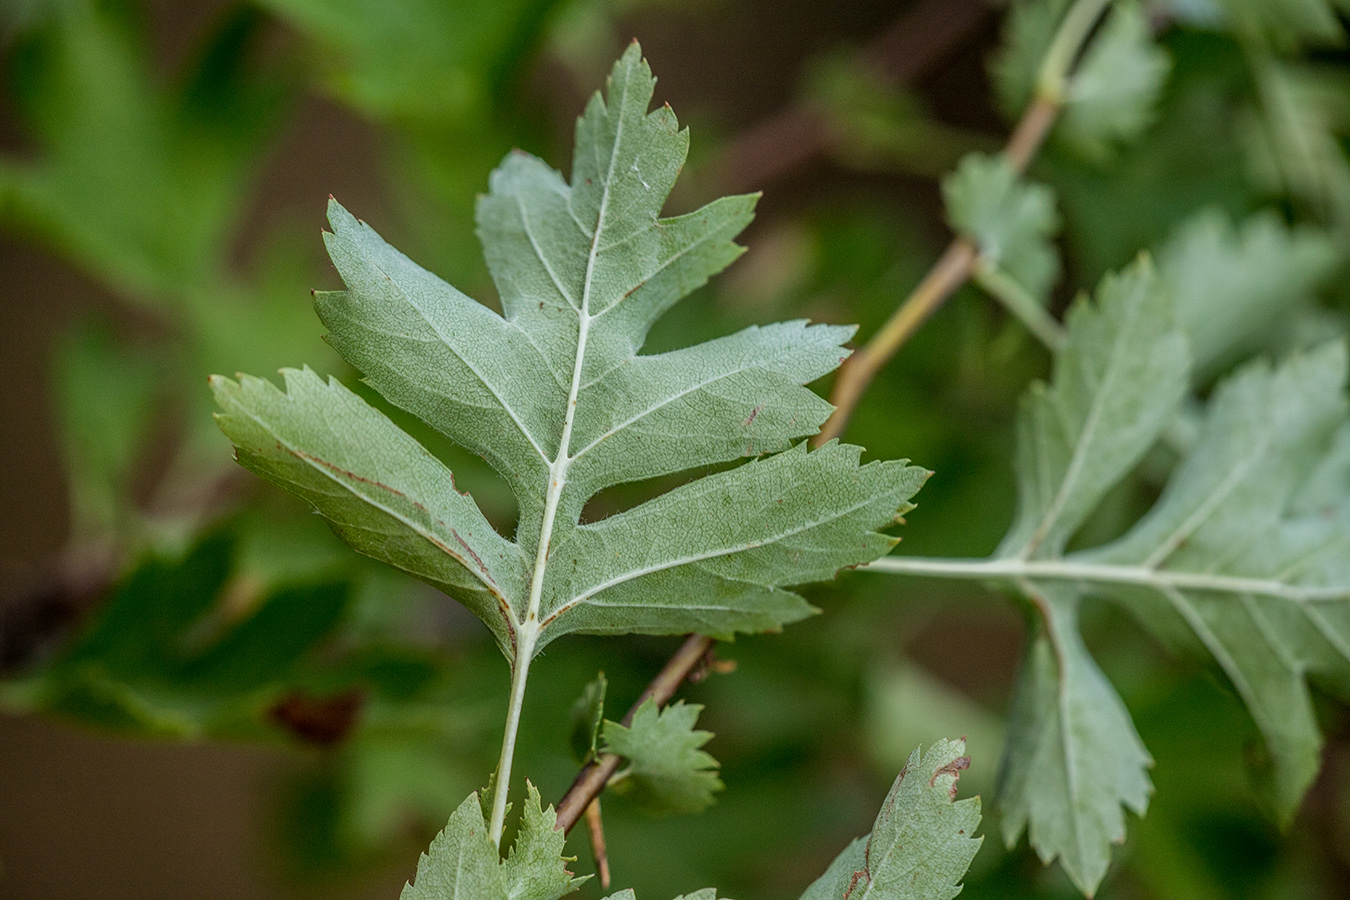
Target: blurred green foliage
230, 612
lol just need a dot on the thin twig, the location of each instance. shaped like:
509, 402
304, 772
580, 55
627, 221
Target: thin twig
596, 826
593, 777
957, 263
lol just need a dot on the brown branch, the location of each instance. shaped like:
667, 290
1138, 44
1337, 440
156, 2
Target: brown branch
952, 269
593, 777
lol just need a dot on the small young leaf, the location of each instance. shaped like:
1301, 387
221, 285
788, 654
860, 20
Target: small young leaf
1116, 384
535, 867
463, 863
588, 715
1009, 220
667, 772
1113, 91
922, 842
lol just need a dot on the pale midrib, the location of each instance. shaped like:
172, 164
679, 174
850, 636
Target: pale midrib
1064, 570
632, 574
527, 631
1079, 458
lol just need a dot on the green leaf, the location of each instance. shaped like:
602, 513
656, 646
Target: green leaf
922, 842
1009, 220
1232, 285
463, 862
588, 715
556, 397
1073, 757
1287, 23
164, 656
1116, 384
1114, 90
667, 772
1111, 93
535, 867
380, 490
1246, 549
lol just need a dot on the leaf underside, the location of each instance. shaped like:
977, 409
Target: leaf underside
922, 842
1243, 559
555, 395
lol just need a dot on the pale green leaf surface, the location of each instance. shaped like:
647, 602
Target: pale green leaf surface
1259, 513
1232, 284
379, 489
1009, 220
1073, 757
535, 867
667, 772
461, 863
556, 398
1116, 383
1113, 92
922, 842
440, 355
714, 554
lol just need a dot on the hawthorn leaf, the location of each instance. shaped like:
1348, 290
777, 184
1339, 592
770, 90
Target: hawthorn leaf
536, 868
555, 395
380, 490
463, 862
704, 894
1073, 757
667, 772
1111, 93
1247, 549
1009, 220
1114, 90
718, 550
922, 842
1232, 284
1117, 381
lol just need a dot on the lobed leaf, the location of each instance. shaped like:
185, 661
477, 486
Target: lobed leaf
922, 842
1009, 220
667, 772
463, 863
379, 489
1073, 757
1258, 515
555, 396
1117, 381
